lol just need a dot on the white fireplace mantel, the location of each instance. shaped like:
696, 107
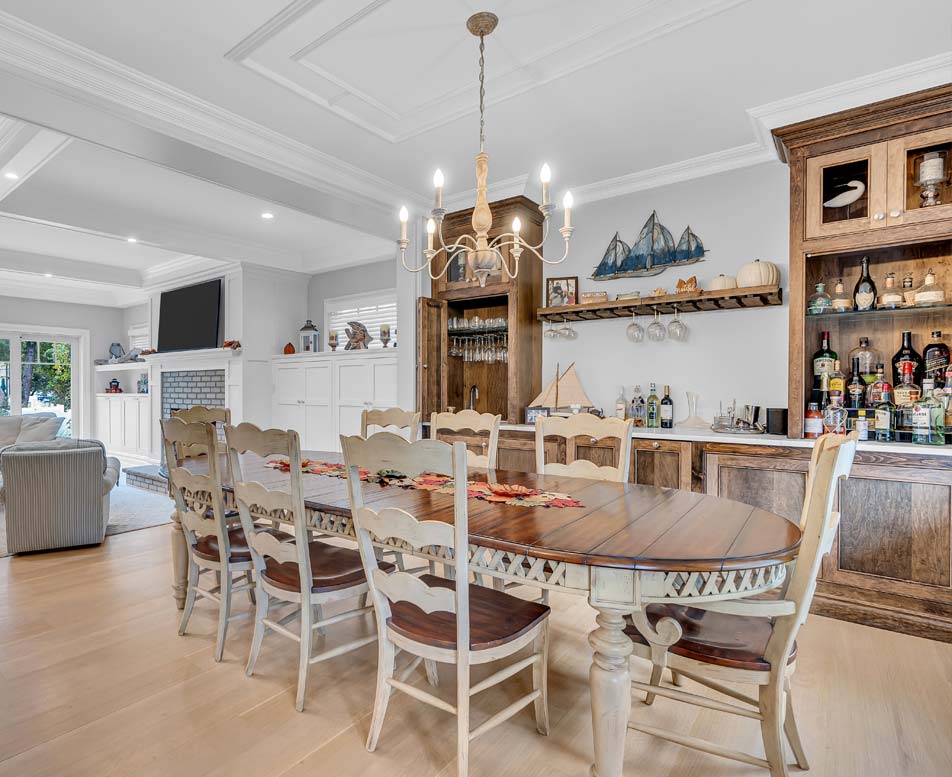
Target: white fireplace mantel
199, 359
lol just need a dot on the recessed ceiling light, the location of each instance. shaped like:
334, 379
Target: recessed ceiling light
11, 176
131, 240
47, 275
267, 215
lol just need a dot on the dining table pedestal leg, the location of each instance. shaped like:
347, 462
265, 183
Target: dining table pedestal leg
610, 683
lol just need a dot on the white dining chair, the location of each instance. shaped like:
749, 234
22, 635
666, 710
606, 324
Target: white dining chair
748, 641
305, 573
432, 618
405, 422
483, 425
591, 430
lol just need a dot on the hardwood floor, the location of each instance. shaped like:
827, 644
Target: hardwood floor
95, 681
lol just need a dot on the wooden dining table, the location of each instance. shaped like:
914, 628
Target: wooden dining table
626, 547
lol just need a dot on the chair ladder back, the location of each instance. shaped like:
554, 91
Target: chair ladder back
253, 499
392, 417
188, 489
389, 451
595, 430
483, 424
218, 417
830, 464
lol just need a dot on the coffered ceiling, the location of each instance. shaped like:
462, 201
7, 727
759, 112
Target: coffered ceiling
181, 121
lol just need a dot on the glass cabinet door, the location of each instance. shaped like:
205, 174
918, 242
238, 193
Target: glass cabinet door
846, 191
920, 189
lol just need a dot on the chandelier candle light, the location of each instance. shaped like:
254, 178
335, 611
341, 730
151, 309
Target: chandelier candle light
483, 256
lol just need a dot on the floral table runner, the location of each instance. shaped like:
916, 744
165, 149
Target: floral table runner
502, 493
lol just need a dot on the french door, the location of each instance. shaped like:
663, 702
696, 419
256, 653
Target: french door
37, 375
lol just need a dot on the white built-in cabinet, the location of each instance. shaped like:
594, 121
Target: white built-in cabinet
123, 423
321, 396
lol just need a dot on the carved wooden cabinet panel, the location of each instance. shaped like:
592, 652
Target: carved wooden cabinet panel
773, 484
663, 463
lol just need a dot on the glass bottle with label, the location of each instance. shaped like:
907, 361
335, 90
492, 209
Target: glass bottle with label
907, 353
928, 417
819, 302
891, 297
864, 293
637, 408
823, 393
841, 302
878, 388
907, 395
621, 404
856, 388
652, 408
667, 409
837, 381
884, 420
929, 293
862, 425
812, 421
936, 357
908, 290
868, 359
823, 361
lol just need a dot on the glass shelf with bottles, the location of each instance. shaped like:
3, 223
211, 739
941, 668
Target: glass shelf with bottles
908, 399
866, 298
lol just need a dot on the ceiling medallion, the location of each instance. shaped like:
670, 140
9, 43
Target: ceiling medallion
484, 257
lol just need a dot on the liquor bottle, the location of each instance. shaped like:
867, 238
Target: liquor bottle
862, 425
936, 358
868, 359
837, 382
841, 302
907, 353
876, 389
864, 293
823, 361
884, 420
891, 297
856, 388
812, 422
667, 409
928, 417
823, 393
621, 404
907, 394
637, 407
652, 408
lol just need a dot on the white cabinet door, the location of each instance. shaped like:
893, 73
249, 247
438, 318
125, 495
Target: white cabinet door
287, 408
145, 438
130, 424
102, 421
319, 431
115, 422
354, 386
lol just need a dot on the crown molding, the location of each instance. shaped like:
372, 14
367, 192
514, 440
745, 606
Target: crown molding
123, 91
27, 285
183, 271
856, 92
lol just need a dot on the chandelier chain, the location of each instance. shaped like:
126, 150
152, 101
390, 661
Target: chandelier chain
482, 92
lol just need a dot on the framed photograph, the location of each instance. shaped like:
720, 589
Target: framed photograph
533, 412
561, 291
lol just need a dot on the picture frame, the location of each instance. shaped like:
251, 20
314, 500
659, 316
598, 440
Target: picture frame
533, 412
561, 291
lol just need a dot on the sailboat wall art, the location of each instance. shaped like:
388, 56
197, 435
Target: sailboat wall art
651, 254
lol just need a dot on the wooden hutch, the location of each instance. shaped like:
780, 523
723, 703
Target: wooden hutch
504, 387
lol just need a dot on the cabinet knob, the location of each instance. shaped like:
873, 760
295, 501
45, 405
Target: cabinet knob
879, 216
656, 445
425, 365
895, 213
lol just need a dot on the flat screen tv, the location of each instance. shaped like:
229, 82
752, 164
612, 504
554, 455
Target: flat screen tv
189, 317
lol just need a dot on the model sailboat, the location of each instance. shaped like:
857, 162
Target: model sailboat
563, 393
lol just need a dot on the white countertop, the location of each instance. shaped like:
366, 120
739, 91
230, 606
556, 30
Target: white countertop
708, 435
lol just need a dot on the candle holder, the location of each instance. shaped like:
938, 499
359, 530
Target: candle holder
332, 340
931, 170
384, 334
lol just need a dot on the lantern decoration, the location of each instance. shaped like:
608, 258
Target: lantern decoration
309, 338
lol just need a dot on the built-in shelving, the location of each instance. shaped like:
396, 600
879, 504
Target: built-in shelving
122, 367
727, 299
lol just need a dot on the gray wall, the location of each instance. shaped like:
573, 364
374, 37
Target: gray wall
105, 325
740, 216
378, 276
131, 316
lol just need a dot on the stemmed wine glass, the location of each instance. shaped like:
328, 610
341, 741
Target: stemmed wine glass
677, 329
635, 331
656, 330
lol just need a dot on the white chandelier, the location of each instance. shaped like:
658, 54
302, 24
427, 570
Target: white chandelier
484, 256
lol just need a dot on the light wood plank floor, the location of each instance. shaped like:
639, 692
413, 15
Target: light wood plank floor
95, 681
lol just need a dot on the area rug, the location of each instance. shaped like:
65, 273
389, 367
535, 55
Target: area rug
502, 493
130, 509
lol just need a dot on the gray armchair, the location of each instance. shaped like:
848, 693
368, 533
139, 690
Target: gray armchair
56, 493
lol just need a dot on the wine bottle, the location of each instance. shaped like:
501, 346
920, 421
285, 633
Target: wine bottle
907, 353
667, 409
652, 416
864, 293
621, 404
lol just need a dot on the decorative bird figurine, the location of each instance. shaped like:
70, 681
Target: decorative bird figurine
358, 338
857, 190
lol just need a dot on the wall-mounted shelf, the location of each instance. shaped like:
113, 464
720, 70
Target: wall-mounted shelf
728, 299
122, 367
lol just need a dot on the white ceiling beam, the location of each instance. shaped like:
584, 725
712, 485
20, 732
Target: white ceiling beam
68, 269
24, 150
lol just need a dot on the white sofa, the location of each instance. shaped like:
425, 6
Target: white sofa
34, 427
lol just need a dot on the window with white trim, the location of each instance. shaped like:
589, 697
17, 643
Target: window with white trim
139, 336
372, 310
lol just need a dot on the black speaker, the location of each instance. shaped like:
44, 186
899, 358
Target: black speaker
777, 420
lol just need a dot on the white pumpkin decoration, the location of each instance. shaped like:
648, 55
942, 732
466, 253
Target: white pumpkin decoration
758, 273
722, 282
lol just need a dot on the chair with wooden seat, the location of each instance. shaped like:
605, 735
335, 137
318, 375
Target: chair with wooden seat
432, 618
307, 574
592, 431
748, 641
407, 423
485, 426
213, 544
